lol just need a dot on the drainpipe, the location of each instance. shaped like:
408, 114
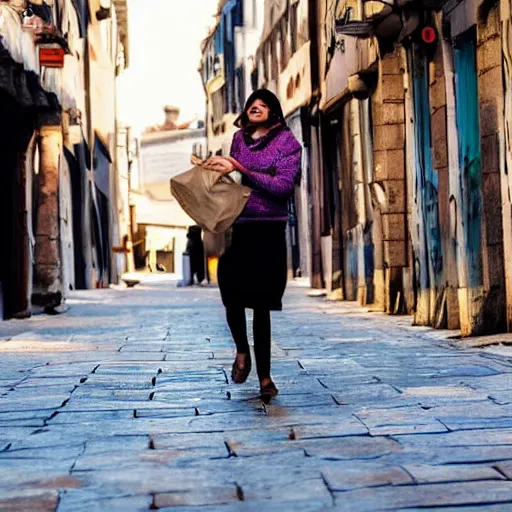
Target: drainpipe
367, 150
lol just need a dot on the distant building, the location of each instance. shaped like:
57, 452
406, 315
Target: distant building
228, 72
172, 115
160, 230
228, 67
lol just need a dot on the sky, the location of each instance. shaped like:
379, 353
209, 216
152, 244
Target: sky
165, 38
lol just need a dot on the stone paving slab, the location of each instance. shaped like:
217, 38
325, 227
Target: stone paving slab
25, 475
84, 404
344, 477
505, 468
60, 452
32, 402
351, 448
433, 495
487, 508
258, 506
92, 462
425, 474
124, 403
382, 422
78, 502
10, 434
22, 415
35, 501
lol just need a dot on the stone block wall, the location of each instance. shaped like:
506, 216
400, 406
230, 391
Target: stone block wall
491, 92
388, 116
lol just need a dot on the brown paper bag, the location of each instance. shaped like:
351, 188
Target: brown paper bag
213, 200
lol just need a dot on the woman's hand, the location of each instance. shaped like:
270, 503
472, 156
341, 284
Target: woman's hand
219, 164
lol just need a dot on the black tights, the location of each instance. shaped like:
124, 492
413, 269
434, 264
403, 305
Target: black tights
262, 338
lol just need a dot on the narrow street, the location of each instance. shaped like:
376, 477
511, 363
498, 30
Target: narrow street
124, 404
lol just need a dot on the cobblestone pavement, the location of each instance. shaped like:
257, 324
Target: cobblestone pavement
124, 404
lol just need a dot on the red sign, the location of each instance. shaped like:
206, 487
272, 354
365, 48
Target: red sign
51, 57
429, 35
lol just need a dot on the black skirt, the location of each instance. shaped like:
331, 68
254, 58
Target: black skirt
253, 271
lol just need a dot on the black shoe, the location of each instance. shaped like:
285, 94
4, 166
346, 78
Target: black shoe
239, 374
268, 392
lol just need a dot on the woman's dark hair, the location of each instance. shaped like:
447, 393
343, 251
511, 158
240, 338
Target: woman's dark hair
276, 115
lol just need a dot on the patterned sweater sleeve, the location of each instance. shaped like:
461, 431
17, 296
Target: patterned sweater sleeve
287, 168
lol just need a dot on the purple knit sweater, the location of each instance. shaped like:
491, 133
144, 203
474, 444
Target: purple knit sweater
273, 164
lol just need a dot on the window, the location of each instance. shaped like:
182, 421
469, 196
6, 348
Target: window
272, 47
283, 41
293, 27
255, 79
278, 52
218, 105
239, 90
263, 67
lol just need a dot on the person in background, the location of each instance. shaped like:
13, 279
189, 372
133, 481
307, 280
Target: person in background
252, 272
195, 250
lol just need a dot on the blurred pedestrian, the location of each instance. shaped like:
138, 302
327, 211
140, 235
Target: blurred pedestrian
195, 250
252, 272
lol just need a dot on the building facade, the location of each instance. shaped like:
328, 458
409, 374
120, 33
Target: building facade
227, 66
160, 228
436, 216
228, 73
59, 62
284, 65
439, 208
403, 111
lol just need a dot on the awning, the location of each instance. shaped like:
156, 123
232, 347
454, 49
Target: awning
19, 68
24, 86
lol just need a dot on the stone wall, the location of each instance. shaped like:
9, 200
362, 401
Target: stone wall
490, 80
388, 113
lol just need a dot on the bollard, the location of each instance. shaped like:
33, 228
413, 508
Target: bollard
187, 273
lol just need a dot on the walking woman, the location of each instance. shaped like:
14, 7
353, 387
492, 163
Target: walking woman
252, 272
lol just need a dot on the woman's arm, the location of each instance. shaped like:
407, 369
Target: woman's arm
281, 184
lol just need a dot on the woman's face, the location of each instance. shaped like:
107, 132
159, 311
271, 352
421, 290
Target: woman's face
258, 112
